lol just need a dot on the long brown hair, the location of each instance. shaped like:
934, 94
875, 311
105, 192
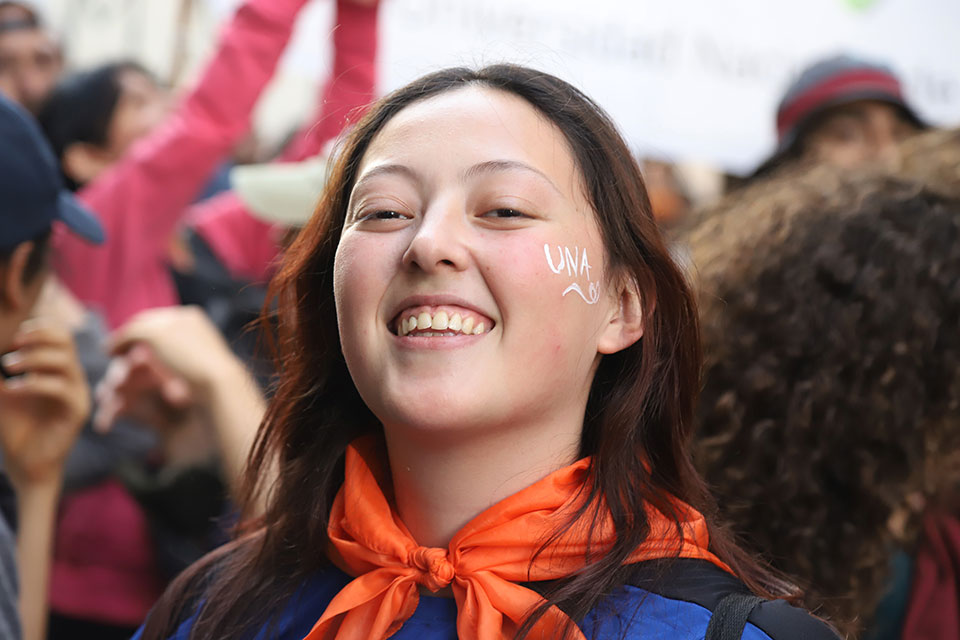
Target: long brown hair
638, 420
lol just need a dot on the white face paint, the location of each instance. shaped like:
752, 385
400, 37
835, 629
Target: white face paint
576, 266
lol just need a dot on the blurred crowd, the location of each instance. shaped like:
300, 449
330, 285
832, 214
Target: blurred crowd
136, 253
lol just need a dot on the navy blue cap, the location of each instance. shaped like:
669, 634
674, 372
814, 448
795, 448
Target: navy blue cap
32, 195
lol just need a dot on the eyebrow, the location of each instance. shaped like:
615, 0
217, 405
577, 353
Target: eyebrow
490, 166
496, 166
386, 170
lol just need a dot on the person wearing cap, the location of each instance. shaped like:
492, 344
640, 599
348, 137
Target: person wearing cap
44, 397
843, 111
107, 569
31, 61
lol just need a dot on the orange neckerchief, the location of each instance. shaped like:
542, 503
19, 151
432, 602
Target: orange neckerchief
484, 561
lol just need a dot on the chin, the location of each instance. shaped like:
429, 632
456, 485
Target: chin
437, 413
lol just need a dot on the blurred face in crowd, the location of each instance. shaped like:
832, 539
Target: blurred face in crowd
666, 195
141, 106
858, 133
30, 60
451, 314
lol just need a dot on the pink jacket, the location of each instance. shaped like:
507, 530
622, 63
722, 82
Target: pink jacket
247, 246
142, 198
104, 567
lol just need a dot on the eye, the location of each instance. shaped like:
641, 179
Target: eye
384, 215
505, 213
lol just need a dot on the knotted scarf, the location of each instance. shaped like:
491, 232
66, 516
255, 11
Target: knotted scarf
484, 561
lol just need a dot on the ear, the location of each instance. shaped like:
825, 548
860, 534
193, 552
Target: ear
82, 162
14, 295
625, 323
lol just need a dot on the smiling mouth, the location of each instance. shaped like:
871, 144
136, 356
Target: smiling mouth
439, 322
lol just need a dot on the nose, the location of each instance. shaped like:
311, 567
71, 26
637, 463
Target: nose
439, 242
884, 140
886, 149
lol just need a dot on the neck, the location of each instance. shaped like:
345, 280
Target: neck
441, 484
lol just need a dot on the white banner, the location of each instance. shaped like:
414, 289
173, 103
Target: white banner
685, 79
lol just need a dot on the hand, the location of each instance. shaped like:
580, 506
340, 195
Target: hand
139, 386
180, 343
183, 339
44, 407
165, 363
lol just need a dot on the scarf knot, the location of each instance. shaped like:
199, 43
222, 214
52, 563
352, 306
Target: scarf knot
435, 569
484, 564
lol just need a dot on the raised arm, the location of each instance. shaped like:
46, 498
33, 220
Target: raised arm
350, 88
248, 246
187, 366
168, 168
141, 199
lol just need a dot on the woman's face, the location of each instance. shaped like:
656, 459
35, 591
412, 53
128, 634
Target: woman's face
470, 276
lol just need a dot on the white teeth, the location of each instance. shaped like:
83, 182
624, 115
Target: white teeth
442, 323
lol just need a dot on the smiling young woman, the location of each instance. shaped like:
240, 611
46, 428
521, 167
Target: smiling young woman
488, 365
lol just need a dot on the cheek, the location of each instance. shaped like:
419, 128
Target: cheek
156, 112
848, 156
557, 325
363, 267
530, 295
523, 266
123, 131
351, 275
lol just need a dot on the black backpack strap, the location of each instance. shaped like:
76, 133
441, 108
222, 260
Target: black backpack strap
730, 616
702, 583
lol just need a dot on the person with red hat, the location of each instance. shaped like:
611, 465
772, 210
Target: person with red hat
844, 111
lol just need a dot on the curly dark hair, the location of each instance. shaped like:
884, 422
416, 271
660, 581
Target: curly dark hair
933, 157
831, 322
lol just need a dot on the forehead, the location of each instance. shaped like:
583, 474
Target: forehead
471, 125
25, 41
865, 110
12, 12
134, 79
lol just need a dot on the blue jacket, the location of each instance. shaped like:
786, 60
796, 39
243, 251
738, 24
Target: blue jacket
671, 604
